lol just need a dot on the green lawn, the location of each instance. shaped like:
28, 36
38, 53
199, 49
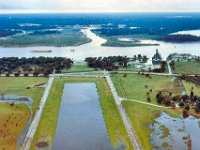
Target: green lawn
114, 124
141, 116
22, 83
78, 68
133, 86
187, 67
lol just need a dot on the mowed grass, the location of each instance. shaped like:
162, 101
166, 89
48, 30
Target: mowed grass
114, 124
78, 68
22, 83
133, 86
12, 121
142, 116
187, 68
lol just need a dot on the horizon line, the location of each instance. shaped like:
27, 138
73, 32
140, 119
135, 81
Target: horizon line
69, 12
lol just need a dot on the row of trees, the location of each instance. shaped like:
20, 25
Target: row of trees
114, 62
185, 101
193, 79
109, 63
35, 65
181, 38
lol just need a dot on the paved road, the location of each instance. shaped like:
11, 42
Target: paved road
30, 135
124, 117
169, 68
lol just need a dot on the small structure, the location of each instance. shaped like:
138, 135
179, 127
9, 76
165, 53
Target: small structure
156, 59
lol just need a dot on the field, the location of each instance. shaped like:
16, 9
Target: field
13, 120
68, 37
142, 115
18, 86
133, 86
114, 124
187, 68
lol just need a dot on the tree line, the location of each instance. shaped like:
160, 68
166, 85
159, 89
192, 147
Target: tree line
113, 62
35, 65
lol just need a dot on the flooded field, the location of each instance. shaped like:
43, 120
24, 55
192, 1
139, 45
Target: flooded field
80, 123
175, 133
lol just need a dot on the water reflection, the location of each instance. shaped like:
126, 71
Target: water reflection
80, 123
175, 133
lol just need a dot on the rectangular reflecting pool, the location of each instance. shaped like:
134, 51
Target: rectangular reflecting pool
80, 123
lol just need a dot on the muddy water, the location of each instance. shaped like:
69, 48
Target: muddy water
80, 123
179, 131
94, 49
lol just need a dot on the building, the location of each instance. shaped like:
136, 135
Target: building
156, 59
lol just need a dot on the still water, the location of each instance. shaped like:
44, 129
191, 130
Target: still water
94, 49
180, 132
80, 123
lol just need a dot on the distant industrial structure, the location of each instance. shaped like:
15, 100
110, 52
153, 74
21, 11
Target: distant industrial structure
156, 59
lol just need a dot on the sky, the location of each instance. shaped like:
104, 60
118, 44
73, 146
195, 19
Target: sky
34, 6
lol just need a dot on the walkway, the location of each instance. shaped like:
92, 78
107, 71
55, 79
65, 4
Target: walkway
169, 68
124, 117
30, 135
146, 103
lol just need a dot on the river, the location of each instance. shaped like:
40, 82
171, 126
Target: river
94, 49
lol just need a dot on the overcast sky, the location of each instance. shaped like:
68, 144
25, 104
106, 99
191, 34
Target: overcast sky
99, 5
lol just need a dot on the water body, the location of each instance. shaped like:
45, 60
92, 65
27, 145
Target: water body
80, 123
17, 99
180, 132
94, 49
190, 32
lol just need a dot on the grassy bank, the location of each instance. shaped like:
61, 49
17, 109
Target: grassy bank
13, 120
133, 86
114, 124
141, 116
187, 68
20, 84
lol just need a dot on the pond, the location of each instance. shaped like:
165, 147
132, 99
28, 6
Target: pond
175, 133
17, 99
80, 123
